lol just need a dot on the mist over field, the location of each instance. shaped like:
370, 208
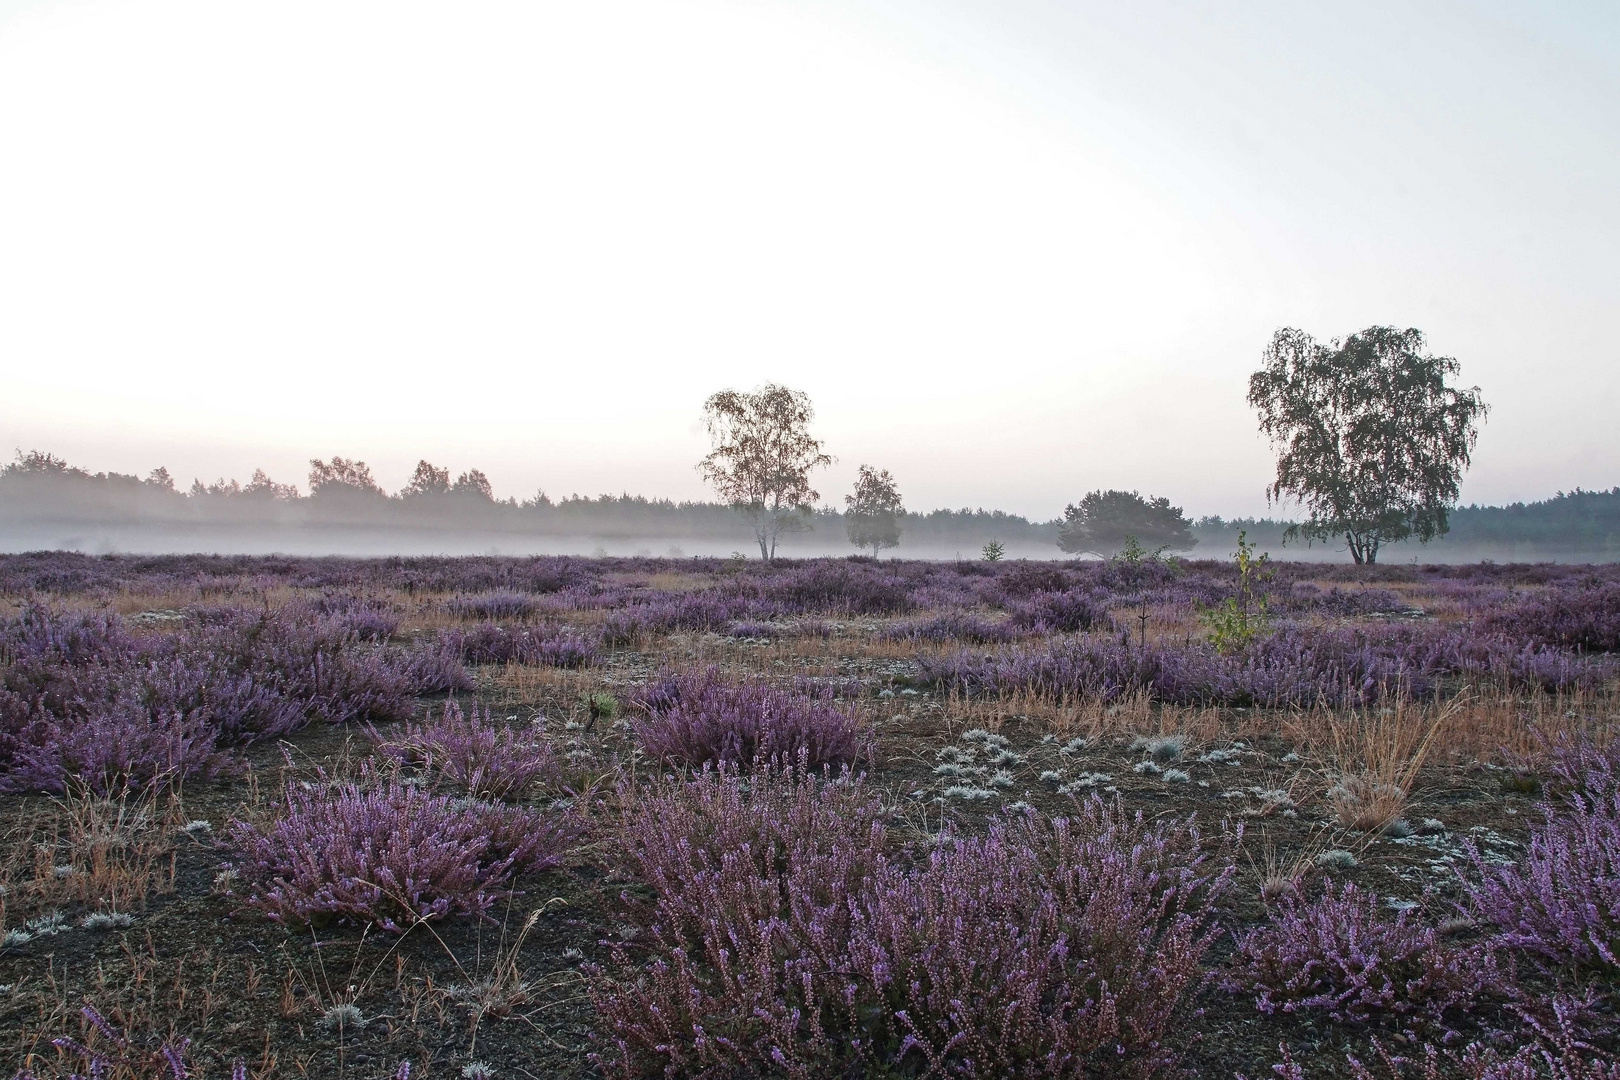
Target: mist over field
57, 506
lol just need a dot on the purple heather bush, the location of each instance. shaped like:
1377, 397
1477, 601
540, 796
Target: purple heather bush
1560, 901
839, 588
473, 753
703, 718
1584, 616
756, 887
315, 661
1046, 948
363, 619
1305, 597
1344, 955
240, 706
432, 667
1060, 612
491, 644
951, 626
110, 747
84, 702
70, 638
495, 605
390, 854
787, 939
1296, 666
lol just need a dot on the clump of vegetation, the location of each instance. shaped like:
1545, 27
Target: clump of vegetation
1234, 624
472, 753
388, 854
1044, 946
1340, 954
705, 719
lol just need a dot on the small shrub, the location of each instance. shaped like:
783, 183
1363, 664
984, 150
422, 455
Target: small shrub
1060, 612
495, 605
116, 747
1060, 948
1583, 618
473, 753
785, 939
1342, 955
392, 855
432, 667
491, 644
1560, 901
699, 719
949, 626
755, 884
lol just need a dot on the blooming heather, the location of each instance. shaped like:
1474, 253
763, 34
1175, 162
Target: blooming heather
473, 753
391, 854
702, 718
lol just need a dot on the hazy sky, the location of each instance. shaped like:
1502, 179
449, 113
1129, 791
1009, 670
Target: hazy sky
1014, 250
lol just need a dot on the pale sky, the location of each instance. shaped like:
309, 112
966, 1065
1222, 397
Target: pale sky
1014, 250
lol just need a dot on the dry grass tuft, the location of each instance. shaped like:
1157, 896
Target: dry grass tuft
1377, 755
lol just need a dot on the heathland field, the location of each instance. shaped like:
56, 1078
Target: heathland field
557, 817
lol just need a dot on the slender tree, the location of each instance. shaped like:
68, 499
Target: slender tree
1106, 522
762, 457
872, 514
1369, 437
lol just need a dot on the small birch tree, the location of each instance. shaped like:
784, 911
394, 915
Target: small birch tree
762, 458
872, 514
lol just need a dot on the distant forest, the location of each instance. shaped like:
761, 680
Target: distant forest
47, 503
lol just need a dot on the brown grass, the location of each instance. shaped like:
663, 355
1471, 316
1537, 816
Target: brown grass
1377, 754
101, 854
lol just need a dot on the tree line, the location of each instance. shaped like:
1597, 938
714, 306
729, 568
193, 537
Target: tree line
1372, 440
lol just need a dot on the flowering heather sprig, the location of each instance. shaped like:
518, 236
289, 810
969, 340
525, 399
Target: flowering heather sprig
1582, 767
107, 1052
473, 753
1560, 901
1343, 955
1557, 1052
702, 718
393, 854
